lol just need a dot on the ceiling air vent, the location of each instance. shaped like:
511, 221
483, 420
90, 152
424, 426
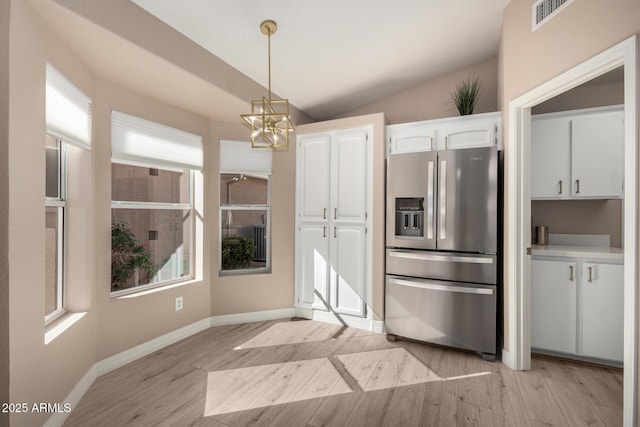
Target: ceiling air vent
543, 10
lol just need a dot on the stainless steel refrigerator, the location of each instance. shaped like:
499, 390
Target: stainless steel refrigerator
442, 244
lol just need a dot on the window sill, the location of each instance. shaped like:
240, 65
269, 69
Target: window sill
225, 273
142, 291
60, 325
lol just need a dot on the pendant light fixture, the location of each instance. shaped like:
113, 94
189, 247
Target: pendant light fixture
269, 119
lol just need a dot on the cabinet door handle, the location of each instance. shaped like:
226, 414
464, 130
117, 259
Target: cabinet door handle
324, 213
590, 279
335, 213
334, 232
446, 142
431, 138
560, 185
571, 273
577, 186
324, 232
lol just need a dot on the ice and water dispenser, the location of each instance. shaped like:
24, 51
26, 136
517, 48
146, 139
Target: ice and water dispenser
410, 216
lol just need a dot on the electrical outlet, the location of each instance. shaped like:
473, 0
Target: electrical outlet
179, 303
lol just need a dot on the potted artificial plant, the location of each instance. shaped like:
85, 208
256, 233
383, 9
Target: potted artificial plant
465, 95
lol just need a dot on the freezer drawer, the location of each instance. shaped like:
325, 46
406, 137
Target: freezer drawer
458, 267
459, 315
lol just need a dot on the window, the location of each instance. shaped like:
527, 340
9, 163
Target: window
55, 206
245, 179
68, 119
152, 208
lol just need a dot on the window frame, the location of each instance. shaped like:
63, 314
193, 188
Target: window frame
120, 204
60, 203
245, 207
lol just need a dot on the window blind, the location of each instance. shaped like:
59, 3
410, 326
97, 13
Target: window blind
68, 110
239, 157
139, 140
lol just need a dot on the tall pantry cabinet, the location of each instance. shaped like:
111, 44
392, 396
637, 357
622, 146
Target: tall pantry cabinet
333, 199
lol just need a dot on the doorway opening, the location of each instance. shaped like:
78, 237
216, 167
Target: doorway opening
518, 354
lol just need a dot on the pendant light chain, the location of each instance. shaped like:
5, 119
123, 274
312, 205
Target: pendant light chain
269, 56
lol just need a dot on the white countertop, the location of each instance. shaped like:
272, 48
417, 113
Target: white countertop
591, 252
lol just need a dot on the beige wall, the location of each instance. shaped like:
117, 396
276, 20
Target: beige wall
4, 207
432, 99
580, 217
44, 372
583, 97
528, 59
127, 321
379, 155
254, 292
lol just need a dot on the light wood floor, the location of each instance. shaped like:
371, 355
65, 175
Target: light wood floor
306, 373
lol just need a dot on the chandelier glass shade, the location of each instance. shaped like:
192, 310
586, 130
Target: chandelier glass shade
269, 118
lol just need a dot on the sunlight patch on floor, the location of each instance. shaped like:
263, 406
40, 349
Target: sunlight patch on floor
380, 369
291, 333
259, 386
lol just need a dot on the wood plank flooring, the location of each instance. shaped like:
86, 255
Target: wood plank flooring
307, 373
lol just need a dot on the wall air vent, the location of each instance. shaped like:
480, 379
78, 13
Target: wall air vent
544, 10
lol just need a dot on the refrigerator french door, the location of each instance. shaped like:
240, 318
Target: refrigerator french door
441, 259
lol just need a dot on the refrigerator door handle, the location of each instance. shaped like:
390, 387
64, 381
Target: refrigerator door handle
430, 201
442, 199
438, 287
444, 258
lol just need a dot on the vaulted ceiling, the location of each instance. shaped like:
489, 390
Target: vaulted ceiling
328, 57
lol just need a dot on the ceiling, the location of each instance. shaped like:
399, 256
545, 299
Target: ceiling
332, 56
327, 57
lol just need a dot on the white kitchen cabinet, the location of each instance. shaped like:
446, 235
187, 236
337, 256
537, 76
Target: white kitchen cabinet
411, 137
333, 179
476, 130
314, 176
602, 310
577, 308
550, 158
553, 305
578, 154
313, 264
597, 157
347, 278
349, 176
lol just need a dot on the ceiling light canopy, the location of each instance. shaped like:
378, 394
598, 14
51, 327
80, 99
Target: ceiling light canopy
269, 119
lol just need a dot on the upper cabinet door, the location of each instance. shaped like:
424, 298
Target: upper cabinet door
597, 144
550, 158
349, 185
411, 137
482, 130
313, 167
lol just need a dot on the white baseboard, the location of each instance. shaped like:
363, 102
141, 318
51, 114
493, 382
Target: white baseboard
305, 313
254, 316
116, 361
351, 321
507, 359
377, 326
58, 418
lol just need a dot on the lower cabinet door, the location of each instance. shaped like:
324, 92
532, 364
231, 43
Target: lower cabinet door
313, 265
603, 311
347, 272
553, 305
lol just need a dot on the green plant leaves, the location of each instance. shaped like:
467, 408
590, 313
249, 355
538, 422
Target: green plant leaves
465, 96
237, 252
127, 255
